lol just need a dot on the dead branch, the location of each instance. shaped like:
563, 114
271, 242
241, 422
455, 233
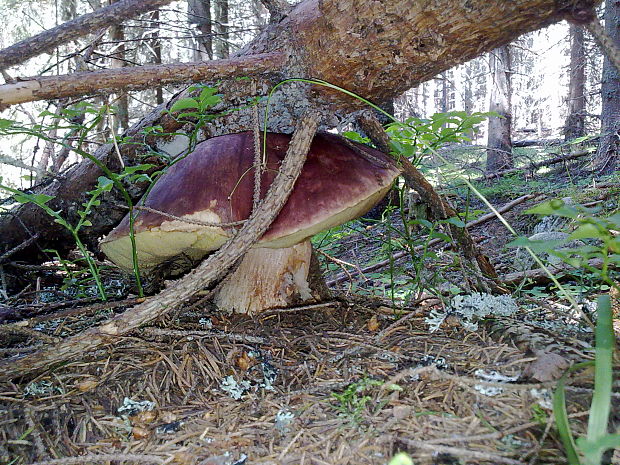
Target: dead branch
376, 266
535, 166
178, 291
139, 77
604, 41
539, 275
84, 25
479, 264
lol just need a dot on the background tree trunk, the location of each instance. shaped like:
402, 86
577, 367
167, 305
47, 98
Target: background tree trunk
156, 46
199, 13
222, 46
499, 152
606, 159
575, 121
117, 34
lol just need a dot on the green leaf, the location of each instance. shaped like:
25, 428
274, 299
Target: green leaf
357, 137
184, 104
133, 169
6, 123
210, 101
38, 199
555, 207
440, 235
536, 246
401, 459
86, 223
455, 221
588, 231
104, 183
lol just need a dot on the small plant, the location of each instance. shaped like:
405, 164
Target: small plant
604, 246
351, 402
41, 200
417, 137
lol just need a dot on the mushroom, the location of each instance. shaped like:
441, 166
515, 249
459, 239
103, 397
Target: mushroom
341, 180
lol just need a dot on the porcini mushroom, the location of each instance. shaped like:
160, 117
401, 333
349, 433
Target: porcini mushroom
340, 181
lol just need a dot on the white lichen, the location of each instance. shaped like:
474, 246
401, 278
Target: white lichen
233, 388
284, 419
472, 308
131, 407
492, 377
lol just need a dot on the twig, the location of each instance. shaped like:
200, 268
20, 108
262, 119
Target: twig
457, 451
178, 291
100, 458
83, 310
162, 332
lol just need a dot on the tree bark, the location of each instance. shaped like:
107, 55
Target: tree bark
575, 121
222, 46
378, 52
117, 34
79, 27
105, 81
199, 13
499, 152
606, 159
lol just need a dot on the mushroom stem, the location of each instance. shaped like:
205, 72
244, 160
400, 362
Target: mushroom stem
269, 278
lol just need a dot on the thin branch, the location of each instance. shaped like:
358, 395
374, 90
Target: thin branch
178, 291
139, 77
84, 25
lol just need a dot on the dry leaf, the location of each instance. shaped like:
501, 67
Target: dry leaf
244, 361
144, 418
87, 384
548, 366
373, 324
140, 433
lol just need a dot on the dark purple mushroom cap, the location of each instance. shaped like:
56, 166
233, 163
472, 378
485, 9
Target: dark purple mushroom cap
215, 184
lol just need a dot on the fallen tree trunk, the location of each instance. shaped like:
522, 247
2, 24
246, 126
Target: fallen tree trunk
539, 275
534, 166
378, 52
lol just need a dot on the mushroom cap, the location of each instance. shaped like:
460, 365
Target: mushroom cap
215, 184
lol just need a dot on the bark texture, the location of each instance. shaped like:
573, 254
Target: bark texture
377, 49
199, 13
499, 152
606, 160
84, 25
142, 77
575, 121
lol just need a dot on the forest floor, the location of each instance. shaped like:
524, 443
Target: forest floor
351, 381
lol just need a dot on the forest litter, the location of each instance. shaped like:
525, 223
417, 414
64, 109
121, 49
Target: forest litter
355, 380
319, 388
